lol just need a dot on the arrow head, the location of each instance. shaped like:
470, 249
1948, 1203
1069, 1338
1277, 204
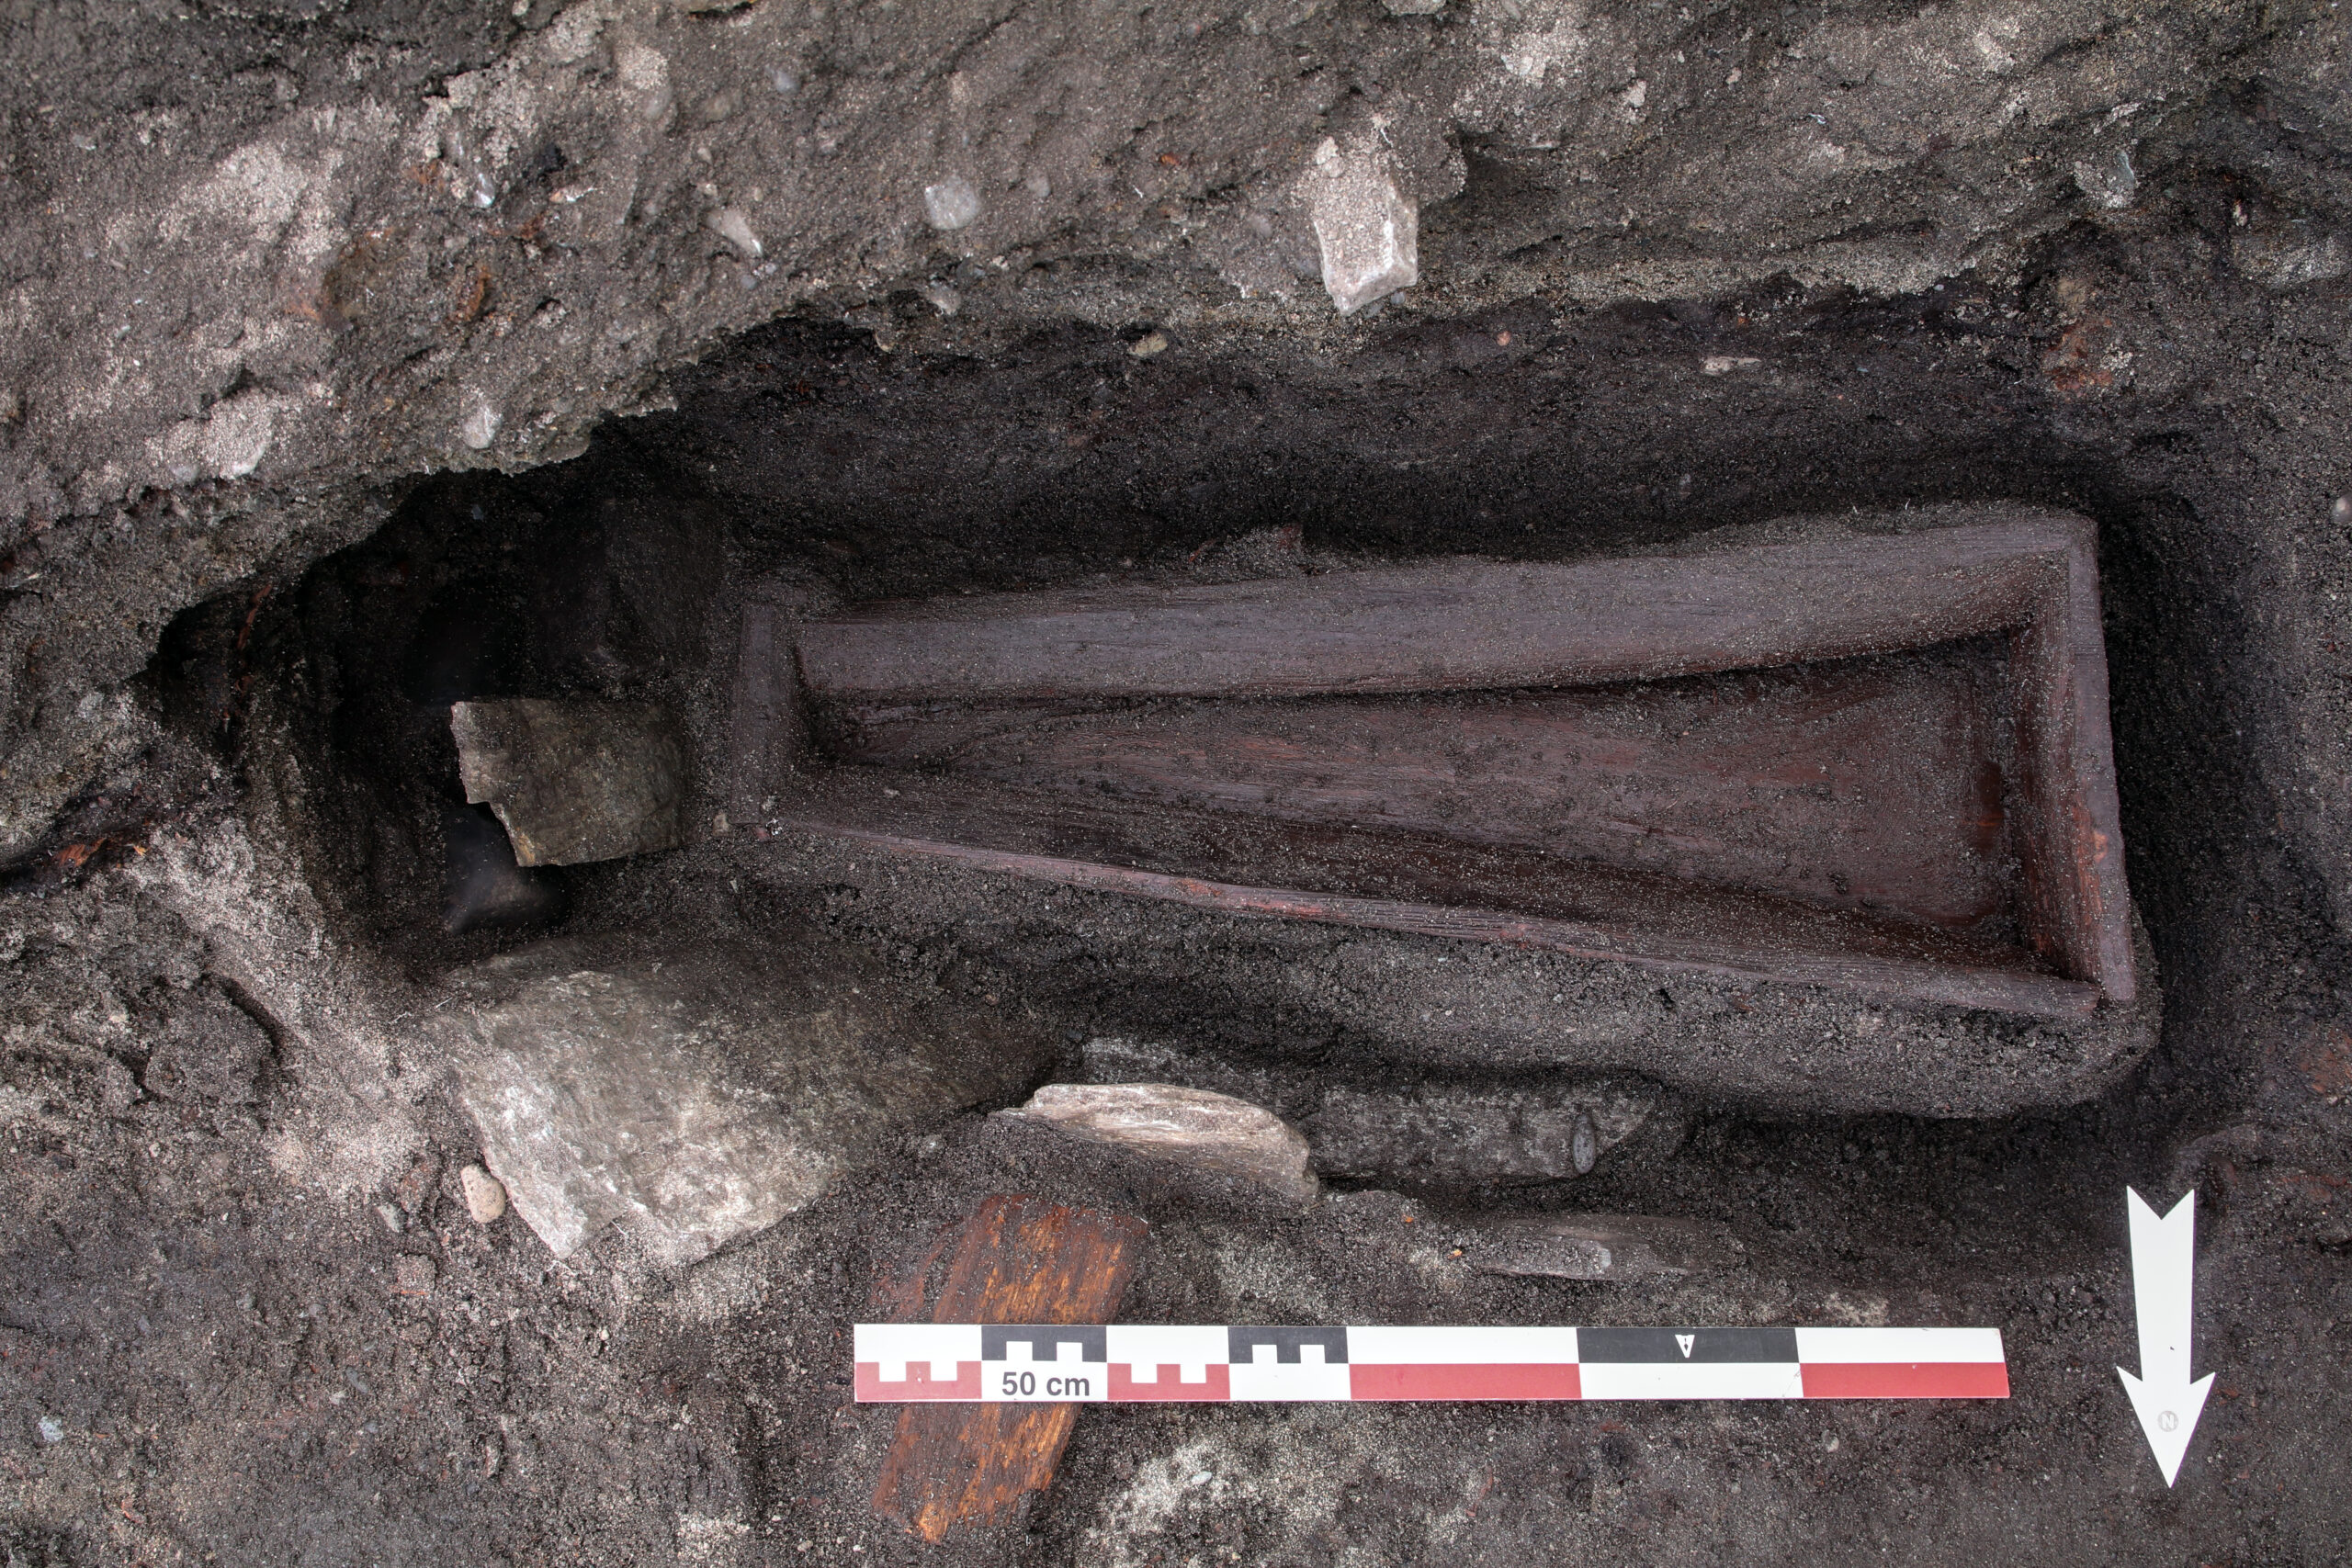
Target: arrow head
2168, 1415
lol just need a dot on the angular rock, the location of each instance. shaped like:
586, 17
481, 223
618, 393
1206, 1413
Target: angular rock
1468, 1135
1600, 1247
692, 1097
574, 781
1368, 232
1190, 1127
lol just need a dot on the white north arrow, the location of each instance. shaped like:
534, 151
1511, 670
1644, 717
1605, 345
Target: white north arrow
2164, 1266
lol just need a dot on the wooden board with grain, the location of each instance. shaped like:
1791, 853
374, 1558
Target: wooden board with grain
958, 1467
1447, 625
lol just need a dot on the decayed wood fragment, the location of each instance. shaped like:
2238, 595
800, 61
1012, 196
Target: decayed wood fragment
1015, 1260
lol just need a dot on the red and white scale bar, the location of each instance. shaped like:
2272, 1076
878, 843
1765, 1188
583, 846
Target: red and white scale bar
969, 1362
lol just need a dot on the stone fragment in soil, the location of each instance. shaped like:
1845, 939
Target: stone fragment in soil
485, 1197
1368, 232
951, 204
1599, 1247
1455, 1134
1207, 1132
688, 1097
574, 781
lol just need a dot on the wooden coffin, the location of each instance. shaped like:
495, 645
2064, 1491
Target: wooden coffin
1872, 760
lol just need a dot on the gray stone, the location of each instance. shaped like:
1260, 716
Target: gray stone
574, 781
1600, 1247
951, 204
1285, 1089
1190, 1127
689, 1099
1367, 230
1462, 1135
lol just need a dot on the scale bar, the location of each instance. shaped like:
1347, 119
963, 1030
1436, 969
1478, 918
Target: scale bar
1142, 1363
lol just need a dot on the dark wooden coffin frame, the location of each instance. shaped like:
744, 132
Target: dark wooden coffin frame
2026, 587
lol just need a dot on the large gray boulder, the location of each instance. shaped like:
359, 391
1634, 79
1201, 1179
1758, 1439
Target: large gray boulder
685, 1100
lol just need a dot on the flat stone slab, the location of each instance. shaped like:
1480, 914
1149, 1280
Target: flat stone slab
687, 1099
574, 782
1191, 1127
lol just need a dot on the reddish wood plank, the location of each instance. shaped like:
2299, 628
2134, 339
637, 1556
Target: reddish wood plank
1015, 1260
2078, 910
1446, 625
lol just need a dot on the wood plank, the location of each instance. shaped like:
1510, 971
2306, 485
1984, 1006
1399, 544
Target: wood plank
1449, 626
1429, 884
952, 1467
1865, 783
2078, 905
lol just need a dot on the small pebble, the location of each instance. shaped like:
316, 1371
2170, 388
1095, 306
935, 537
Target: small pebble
485, 1197
1148, 344
481, 427
951, 204
393, 1220
53, 1431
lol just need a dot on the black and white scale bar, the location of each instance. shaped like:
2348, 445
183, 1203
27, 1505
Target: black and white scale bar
1133, 1362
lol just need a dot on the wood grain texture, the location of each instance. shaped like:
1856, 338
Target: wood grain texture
1446, 625
2078, 910
954, 1467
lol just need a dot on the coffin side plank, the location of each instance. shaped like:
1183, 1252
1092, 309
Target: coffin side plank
1452, 625
2077, 905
